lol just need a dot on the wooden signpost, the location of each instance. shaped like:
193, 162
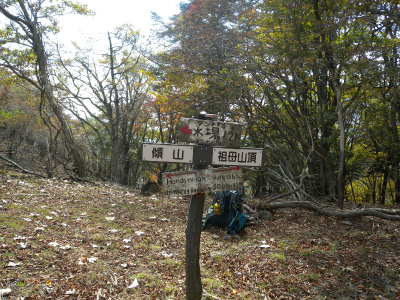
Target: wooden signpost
219, 145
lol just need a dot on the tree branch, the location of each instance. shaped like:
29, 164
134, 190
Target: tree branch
333, 213
21, 168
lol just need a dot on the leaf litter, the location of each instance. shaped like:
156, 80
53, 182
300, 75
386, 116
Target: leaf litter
103, 241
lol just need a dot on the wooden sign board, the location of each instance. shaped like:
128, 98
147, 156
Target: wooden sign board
207, 181
212, 133
249, 157
202, 155
172, 153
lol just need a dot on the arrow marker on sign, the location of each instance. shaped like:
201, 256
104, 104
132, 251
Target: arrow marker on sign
186, 130
180, 174
224, 170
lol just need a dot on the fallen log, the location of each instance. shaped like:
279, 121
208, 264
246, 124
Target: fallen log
21, 168
331, 212
388, 211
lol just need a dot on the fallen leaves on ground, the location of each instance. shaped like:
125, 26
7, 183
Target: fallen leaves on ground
66, 240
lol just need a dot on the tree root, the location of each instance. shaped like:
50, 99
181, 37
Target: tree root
379, 213
209, 296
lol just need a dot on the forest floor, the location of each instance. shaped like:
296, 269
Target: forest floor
65, 240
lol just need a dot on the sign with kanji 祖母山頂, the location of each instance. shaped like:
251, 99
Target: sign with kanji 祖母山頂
251, 157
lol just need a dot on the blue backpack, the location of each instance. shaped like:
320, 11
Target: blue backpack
226, 210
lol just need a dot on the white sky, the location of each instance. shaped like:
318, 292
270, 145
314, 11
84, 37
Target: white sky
110, 14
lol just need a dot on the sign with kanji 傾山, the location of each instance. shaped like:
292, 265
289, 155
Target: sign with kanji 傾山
167, 153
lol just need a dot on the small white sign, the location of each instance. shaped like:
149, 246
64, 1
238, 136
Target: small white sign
167, 153
207, 181
237, 157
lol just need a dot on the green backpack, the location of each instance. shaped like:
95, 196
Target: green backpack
226, 210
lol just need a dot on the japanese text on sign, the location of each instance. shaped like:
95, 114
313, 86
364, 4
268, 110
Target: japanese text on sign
167, 153
237, 157
208, 132
207, 181
158, 152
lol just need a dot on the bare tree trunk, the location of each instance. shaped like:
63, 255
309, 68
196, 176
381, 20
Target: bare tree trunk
340, 174
125, 171
382, 193
115, 136
116, 159
31, 24
395, 150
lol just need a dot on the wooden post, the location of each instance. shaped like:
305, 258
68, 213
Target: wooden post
194, 287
